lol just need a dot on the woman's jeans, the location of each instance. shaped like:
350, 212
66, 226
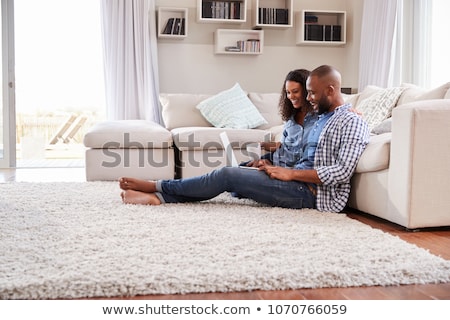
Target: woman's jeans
252, 184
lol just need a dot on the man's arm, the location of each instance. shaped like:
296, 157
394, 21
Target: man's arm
338, 166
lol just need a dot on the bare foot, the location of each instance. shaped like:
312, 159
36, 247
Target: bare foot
137, 184
138, 197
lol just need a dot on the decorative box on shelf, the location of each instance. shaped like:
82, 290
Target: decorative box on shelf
320, 27
225, 11
238, 41
172, 23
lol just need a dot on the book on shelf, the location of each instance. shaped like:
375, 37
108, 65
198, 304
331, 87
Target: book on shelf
169, 26
273, 16
314, 32
319, 32
249, 45
232, 49
336, 33
221, 10
183, 26
175, 26
309, 18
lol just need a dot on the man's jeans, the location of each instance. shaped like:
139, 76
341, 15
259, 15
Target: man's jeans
252, 184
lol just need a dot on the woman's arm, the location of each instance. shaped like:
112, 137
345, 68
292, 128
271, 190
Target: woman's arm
270, 146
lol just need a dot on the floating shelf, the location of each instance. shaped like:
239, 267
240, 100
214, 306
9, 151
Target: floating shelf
238, 41
172, 23
321, 28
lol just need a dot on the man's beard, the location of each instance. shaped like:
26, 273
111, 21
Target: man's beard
323, 105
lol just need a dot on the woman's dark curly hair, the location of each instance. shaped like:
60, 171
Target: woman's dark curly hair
287, 110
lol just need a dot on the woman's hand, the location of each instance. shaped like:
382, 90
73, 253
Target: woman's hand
259, 163
359, 113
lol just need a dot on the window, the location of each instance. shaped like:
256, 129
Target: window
59, 75
440, 44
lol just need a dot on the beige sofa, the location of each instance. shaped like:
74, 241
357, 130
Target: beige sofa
188, 145
197, 143
401, 177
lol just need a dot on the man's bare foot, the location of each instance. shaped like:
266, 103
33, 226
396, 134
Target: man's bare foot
138, 197
137, 184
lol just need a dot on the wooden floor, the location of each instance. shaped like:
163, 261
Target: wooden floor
437, 241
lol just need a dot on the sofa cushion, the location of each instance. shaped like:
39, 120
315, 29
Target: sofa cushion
179, 110
351, 98
379, 105
367, 93
410, 93
384, 127
200, 138
447, 94
268, 106
376, 155
231, 109
416, 93
276, 132
436, 93
128, 134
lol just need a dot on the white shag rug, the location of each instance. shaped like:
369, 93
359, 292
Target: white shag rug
74, 240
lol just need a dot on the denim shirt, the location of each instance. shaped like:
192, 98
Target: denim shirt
311, 141
293, 140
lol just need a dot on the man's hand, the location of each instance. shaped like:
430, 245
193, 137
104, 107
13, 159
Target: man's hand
288, 174
280, 173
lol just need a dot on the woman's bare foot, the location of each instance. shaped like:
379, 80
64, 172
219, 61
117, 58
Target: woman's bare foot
137, 184
138, 197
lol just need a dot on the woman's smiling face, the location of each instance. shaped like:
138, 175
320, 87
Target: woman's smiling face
294, 93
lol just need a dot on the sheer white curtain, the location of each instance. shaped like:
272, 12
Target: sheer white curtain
420, 44
380, 51
130, 57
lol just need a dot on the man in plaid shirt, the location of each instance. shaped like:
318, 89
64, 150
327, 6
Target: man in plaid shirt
341, 138
321, 179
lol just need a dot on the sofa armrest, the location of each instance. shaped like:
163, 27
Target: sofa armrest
419, 172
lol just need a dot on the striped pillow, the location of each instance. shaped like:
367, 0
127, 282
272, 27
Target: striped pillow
231, 109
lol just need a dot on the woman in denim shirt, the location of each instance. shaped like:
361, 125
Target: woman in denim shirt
299, 118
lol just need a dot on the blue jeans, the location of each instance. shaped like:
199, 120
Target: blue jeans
252, 184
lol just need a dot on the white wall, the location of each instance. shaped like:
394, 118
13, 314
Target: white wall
190, 65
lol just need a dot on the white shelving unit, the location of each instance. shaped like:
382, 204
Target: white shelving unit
225, 11
273, 13
253, 41
321, 27
172, 23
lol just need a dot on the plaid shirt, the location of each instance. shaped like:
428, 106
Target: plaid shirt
341, 143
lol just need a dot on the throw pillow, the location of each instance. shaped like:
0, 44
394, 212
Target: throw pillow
231, 109
378, 106
384, 127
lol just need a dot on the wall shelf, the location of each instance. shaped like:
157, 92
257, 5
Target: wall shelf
273, 13
172, 23
225, 11
238, 41
321, 28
